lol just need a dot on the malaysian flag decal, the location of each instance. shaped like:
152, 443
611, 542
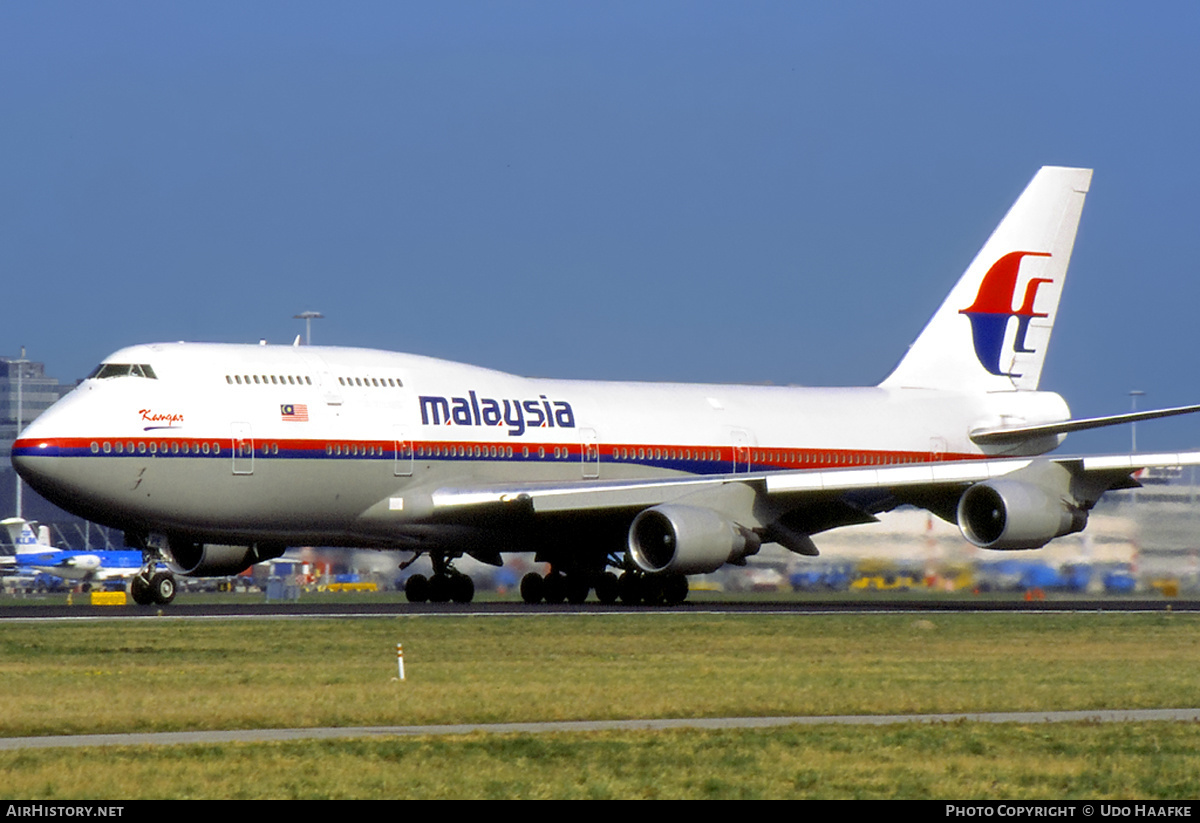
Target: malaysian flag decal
294, 413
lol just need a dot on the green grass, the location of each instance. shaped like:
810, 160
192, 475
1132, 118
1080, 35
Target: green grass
959, 761
111, 676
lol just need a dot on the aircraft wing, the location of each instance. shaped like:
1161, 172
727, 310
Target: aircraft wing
1051, 493
595, 494
1118, 468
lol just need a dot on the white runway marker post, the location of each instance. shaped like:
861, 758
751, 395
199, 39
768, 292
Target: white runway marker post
400, 659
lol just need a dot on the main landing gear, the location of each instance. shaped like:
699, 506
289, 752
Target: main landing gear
632, 588
446, 584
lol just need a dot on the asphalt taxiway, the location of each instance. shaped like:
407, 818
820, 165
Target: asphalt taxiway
278, 735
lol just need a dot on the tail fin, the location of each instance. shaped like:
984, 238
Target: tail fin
23, 537
972, 342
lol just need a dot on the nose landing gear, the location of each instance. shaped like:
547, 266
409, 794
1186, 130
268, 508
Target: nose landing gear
149, 587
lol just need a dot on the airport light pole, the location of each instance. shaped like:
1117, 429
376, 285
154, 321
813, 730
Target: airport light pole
1134, 394
20, 364
308, 317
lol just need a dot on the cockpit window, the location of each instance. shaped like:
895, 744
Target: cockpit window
106, 370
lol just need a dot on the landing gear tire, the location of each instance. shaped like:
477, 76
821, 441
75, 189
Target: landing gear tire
577, 589
439, 589
675, 590
462, 588
608, 588
416, 588
139, 590
630, 589
533, 588
162, 588
447, 583
554, 589
442, 588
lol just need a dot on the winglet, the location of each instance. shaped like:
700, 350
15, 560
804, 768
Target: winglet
992, 331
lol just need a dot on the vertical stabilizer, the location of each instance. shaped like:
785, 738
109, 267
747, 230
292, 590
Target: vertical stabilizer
23, 537
992, 332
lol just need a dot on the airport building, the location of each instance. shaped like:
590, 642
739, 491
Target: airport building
25, 392
24, 386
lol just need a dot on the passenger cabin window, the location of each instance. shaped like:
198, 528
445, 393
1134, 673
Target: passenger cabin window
264, 380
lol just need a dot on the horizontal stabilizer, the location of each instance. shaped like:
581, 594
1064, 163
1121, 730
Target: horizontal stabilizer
1006, 435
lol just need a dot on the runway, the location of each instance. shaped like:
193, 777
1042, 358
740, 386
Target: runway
196, 608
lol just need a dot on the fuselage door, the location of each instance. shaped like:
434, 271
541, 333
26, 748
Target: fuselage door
937, 448
589, 450
330, 388
243, 448
404, 452
741, 450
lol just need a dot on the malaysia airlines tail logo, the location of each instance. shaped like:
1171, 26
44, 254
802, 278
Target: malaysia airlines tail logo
993, 307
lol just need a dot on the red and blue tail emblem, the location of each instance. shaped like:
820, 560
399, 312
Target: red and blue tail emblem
993, 307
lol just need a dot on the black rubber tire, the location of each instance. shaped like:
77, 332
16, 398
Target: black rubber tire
439, 589
577, 589
675, 590
163, 588
608, 588
462, 588
532, 588
139, 590
416, 588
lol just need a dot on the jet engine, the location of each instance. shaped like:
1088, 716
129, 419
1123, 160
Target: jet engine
1011, 514
84, 562
212, 560
677, 539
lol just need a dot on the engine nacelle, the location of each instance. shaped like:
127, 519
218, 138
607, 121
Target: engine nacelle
1011, 514
212, 560
676, 539
84, 562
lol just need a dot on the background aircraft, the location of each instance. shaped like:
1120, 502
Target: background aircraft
35, 554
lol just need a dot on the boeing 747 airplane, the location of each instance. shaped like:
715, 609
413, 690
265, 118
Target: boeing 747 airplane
214, 457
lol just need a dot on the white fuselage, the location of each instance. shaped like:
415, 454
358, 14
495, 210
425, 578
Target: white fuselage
305, 445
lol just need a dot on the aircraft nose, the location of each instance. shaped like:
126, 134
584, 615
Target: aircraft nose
41, 456
36, 460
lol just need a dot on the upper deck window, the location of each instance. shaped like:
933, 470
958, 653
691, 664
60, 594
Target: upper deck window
106, 370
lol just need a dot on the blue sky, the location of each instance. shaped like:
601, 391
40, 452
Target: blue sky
717, 192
